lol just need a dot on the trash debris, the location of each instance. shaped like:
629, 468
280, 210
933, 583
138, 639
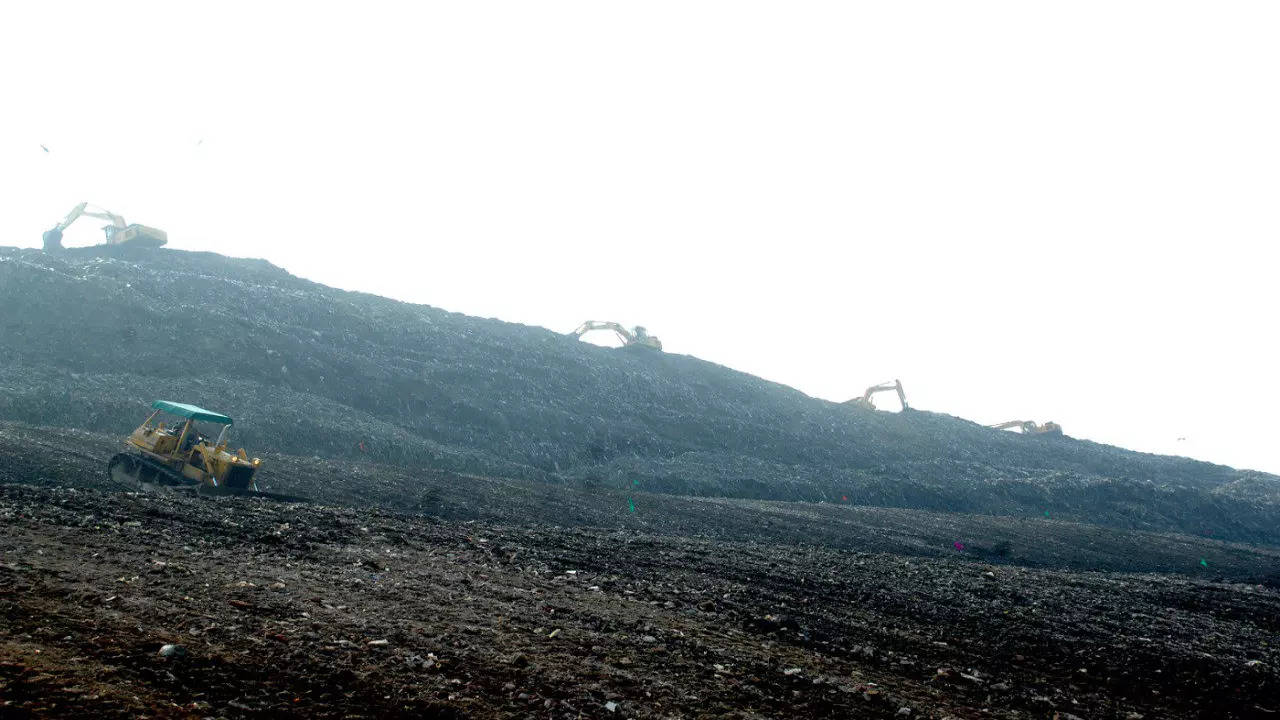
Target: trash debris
172, 650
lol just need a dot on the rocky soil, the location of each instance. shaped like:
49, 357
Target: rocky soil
125, 606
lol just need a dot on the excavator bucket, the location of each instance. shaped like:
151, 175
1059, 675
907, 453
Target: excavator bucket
52, 240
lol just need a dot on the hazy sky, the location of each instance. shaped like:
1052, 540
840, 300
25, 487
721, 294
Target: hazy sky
1024, 210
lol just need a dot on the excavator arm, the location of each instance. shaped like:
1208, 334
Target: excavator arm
637, 337
88, 210
1030, 427
623, 333
865, 400
1012, 424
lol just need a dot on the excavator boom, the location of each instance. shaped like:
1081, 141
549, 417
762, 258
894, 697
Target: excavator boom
865, 400
1030, 427
639, 336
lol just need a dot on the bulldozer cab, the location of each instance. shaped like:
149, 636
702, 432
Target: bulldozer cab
175, 429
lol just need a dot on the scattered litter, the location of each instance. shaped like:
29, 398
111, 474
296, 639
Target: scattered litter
171, 650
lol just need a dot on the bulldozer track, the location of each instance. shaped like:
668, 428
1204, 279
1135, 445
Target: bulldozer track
143, 474
137, 473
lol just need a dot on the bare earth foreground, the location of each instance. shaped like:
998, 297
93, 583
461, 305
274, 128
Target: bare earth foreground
310, 611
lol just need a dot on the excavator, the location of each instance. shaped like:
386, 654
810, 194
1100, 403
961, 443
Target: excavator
865, 400
176, 455
1029, 427
638, 337
118, 232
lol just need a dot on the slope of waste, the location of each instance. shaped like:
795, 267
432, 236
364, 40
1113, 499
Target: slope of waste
89, 337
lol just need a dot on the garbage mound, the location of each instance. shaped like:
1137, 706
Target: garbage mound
88, 337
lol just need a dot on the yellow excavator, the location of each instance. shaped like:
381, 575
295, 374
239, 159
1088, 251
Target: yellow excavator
176, 455
118, 232
638, 337
1030, 427
865, 400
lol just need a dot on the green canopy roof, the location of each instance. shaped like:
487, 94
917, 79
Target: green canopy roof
191, 411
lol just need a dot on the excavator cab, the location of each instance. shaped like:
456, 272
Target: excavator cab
136, 235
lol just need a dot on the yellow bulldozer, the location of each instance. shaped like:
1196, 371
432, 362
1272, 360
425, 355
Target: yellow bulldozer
169, 451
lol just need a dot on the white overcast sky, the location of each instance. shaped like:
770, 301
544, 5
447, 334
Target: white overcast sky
1024, 210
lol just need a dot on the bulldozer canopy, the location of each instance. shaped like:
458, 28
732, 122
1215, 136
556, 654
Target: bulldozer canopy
191, 412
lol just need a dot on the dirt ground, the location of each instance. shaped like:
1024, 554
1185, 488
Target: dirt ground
310, 611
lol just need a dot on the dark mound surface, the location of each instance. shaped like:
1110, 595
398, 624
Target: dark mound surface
52, 458
312, 612
89, 337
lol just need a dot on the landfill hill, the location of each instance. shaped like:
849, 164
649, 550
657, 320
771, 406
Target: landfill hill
88, 337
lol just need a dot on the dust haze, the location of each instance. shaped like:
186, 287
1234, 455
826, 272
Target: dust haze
572, 360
